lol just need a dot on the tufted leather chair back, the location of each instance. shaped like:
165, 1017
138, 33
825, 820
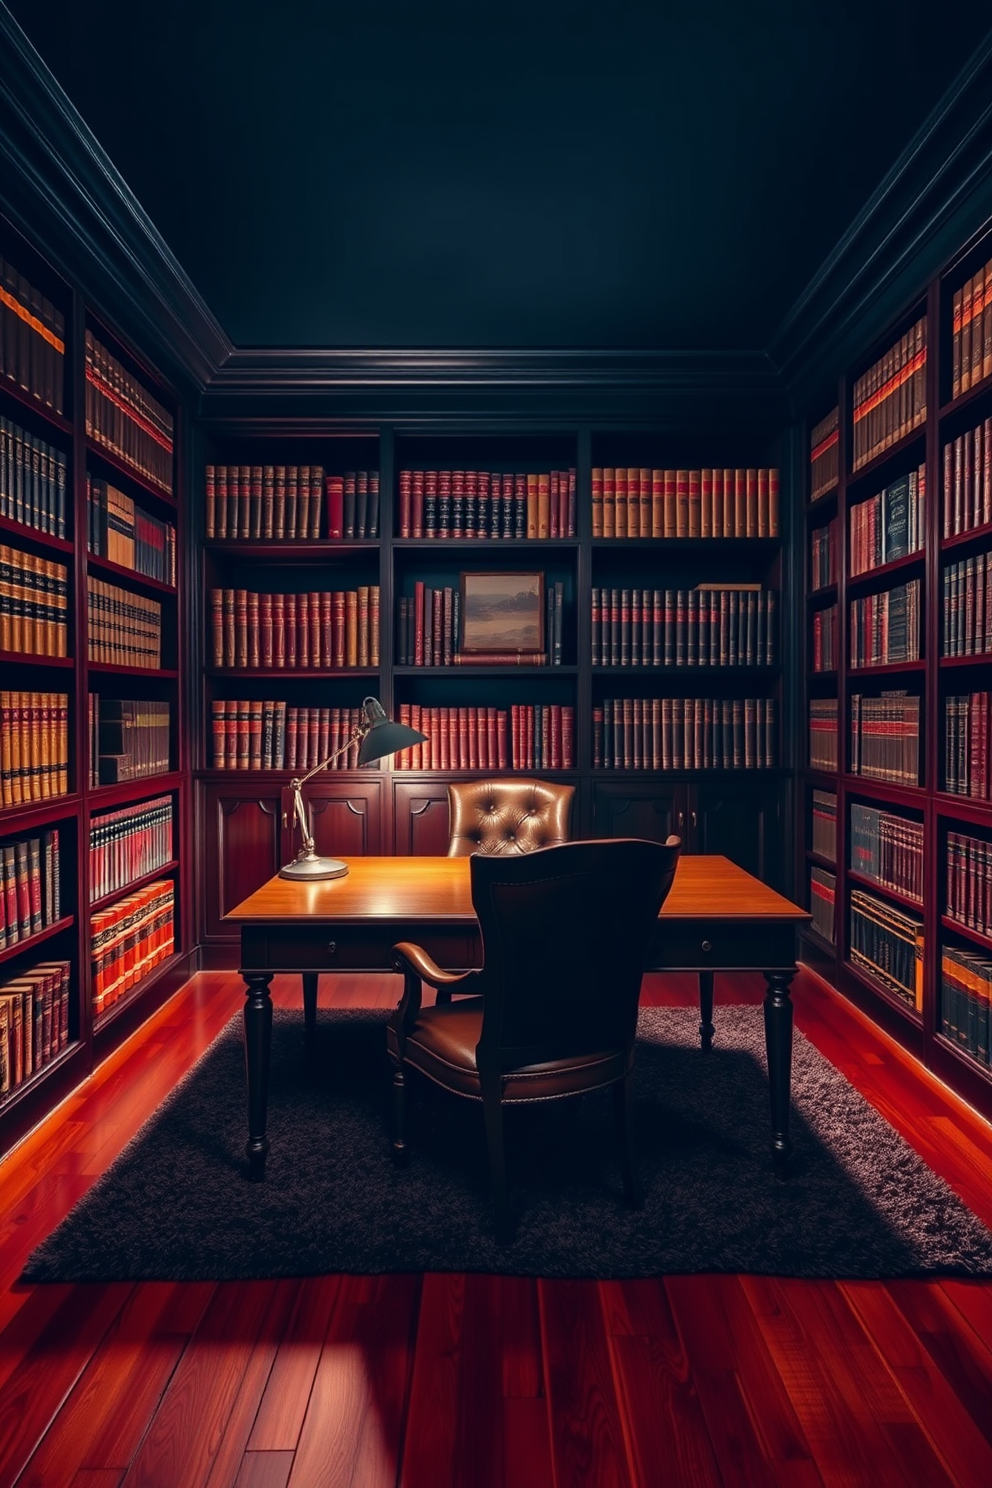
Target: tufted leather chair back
503, 817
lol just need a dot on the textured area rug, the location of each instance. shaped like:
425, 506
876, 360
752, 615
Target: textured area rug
176, 1205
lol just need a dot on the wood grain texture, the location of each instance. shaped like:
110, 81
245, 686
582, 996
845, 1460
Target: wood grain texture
706, 1381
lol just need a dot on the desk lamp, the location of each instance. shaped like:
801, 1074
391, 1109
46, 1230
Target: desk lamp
376, 736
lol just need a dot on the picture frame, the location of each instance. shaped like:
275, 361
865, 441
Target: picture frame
502, 614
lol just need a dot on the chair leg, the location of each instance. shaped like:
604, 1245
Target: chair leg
623, 1110
399, 1113
492, 1108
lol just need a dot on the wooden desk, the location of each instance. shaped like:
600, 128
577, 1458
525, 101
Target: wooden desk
716, 918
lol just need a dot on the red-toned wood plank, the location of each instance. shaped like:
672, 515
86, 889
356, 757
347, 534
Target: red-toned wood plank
181, 1443
526, 1443
33, 1395
959, 1429
429, 1443
663, 1420
520, 1327
89, 1477
856, 1419
352, 1430
230, 1453
478, 1424
265, 1470
287, 1392
106, 1412
751, 1446
587, 1439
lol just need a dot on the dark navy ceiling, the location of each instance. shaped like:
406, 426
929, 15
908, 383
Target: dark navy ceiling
544, 174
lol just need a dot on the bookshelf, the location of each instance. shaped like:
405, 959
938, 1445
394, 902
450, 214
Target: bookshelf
656, 741
895, 830
96, 923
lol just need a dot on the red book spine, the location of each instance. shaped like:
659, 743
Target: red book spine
339, 626
568, 737
406, 503
334, 487
278, 630
418, 623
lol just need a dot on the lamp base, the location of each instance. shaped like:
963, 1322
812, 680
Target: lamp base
313, 869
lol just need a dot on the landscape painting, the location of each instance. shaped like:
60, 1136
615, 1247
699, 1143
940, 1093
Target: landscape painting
502, 612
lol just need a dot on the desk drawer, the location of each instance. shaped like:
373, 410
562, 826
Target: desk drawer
749, 946
351, 947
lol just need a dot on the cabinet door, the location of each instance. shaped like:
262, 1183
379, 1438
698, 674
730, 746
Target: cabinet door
421, 814
741, 822
346, 817
241, 839
652, 808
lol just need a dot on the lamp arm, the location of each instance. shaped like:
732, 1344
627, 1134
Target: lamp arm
298, 782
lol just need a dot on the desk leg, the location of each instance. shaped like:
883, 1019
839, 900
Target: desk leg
258, 1040
706, 1029
778, 1043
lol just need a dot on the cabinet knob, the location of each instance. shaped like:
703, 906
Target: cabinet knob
332, 946
707, 945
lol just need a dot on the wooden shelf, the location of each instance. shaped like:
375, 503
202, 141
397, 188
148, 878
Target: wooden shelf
99, 452
57, 422
129, 576
106, 900
37, 938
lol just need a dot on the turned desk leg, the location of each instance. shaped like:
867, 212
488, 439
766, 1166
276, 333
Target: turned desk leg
778, 1043
706, 1029
258, 1041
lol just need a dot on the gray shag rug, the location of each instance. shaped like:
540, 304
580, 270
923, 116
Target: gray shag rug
176, 1204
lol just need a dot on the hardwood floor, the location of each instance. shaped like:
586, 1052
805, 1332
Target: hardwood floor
470, 1381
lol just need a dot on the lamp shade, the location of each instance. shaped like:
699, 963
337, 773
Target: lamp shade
384, 736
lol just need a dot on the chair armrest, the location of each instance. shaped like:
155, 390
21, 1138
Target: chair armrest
413, 958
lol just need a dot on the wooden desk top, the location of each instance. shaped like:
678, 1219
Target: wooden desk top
706, 887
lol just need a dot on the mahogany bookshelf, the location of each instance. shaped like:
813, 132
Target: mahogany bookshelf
939, 1032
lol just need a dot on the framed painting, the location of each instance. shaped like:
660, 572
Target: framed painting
502, 614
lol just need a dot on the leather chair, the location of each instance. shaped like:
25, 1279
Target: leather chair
553, 1010
507, 816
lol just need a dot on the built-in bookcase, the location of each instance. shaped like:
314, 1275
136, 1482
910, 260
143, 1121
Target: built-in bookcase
896, 804
600, 607
93, 807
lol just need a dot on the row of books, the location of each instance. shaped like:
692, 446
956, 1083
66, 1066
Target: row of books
468, 738
823, 567
890, 399
740, 502
823, 903
823, 836
968, 480
128, 843
885, 627
119, 530
888, 946
823, 753
249, 734
33, 478
32, 339
122, 628
34, 599
684, 734
128, 940
333, 629
966, 745
486, 503
34, 1022
971, 331
128, 739
30, 898
710, 625
969, 881
34, 746
885, 737
966, 1001
289, 503
887, 849
824, 638
966, 617
889, 525
123, 417
824, 452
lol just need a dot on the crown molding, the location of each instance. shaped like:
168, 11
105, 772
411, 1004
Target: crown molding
62, 191
611, 385
932, 200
